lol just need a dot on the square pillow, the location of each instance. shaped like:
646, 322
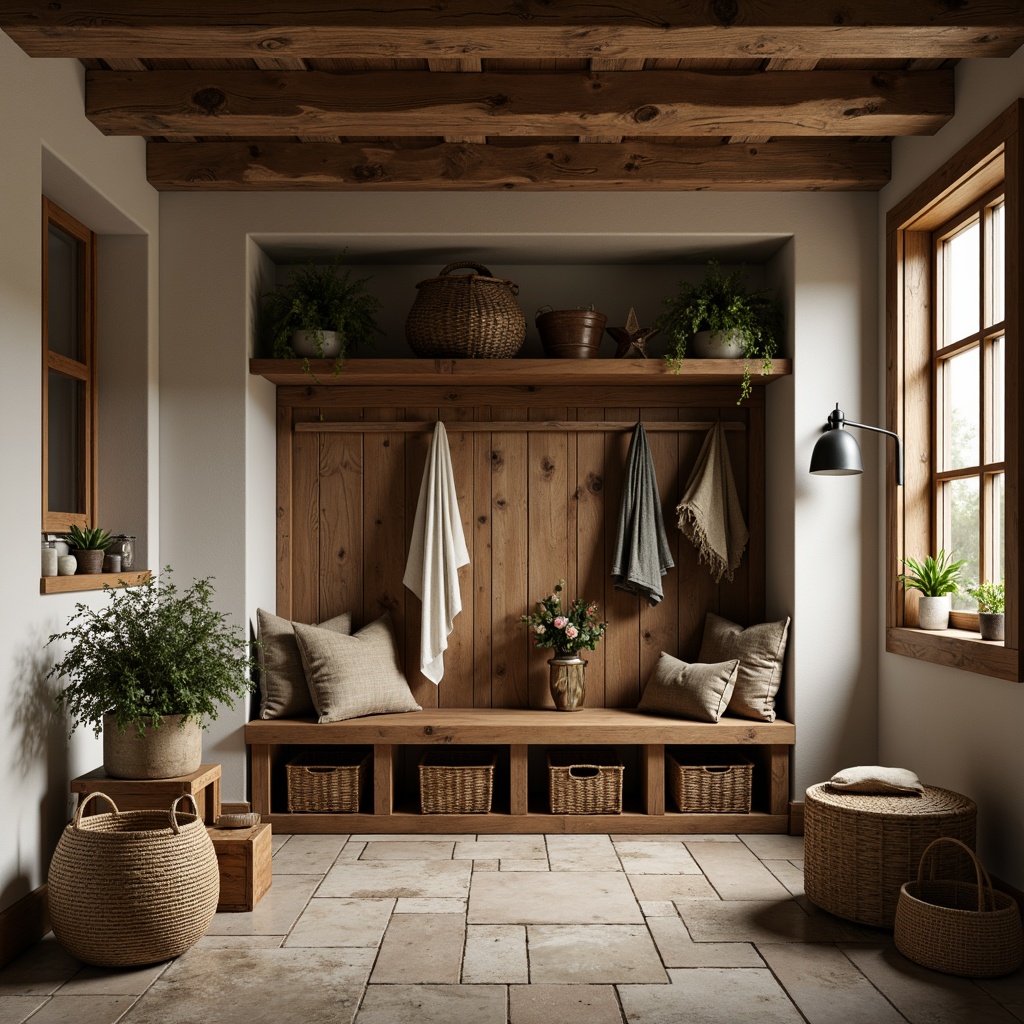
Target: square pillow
760, 650
876, 778
284, 692
689, 691
351, 676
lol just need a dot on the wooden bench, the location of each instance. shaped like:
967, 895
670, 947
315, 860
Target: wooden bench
518, 737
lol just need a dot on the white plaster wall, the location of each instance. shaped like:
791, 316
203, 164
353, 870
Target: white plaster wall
956, 729
47, 143
217, 454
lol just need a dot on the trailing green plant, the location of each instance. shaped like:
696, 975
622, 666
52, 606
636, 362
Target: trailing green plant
991, 597
89, 539
317, 299
722, 302
151, 651
934, 577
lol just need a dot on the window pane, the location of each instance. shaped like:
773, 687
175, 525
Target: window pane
960, 528
998, 266
62, 309
997, 527
997, 400
962, 296
66, 448
960, 412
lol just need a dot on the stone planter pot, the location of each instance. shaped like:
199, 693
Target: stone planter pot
304, 345
991, 625
716, 345
933, 612
166, 752
90, 561
568, 682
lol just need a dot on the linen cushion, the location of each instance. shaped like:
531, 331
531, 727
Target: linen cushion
760, 650
689, 691
876, 778
351, 676
283, 689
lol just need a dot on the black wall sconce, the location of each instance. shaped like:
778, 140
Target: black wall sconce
836, 452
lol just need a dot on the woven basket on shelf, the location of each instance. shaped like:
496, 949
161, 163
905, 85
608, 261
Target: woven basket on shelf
963, 928
132, 887
711, 788
330, 784
582, 781
466, 316
456, 781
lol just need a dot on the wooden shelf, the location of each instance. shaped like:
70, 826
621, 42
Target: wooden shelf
92, 581
565, 372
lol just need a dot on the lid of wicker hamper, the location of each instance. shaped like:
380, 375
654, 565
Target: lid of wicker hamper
859, 849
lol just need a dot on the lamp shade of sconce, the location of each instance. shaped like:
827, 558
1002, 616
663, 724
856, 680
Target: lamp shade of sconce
836, 452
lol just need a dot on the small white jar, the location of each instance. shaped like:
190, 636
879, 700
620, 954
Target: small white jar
67, 565
49, 559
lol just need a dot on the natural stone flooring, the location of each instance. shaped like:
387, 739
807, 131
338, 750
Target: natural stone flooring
461, 929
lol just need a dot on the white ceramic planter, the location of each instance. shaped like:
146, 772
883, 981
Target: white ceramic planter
933, 612
304, 345
717, 345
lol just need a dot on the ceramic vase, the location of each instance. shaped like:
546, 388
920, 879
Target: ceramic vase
67, 565
716, 345
304, 345
933, 612
568, 681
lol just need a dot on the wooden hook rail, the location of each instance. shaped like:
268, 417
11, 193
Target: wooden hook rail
506, 426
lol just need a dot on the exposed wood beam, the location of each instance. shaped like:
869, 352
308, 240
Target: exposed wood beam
532, 29
788, 164
622, 103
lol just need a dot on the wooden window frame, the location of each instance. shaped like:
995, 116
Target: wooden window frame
85, 370
991, 161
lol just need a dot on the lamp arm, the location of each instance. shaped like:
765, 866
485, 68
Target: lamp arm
888, 433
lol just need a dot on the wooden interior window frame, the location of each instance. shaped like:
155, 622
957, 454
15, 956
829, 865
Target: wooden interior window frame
988, 165
84, 370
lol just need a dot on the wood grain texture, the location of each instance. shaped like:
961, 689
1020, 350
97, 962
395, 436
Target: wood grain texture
956, 650
23, 924
92, 581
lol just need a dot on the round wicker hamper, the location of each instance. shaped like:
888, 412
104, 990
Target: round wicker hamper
132, 887
859, 849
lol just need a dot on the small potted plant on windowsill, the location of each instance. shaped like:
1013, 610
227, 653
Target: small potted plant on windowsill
991, 598
89, 546
937, 579
719, 318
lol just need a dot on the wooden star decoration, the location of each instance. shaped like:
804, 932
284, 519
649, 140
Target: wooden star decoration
632, 339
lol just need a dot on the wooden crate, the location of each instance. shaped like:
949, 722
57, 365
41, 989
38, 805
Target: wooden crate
153, 794
243, 856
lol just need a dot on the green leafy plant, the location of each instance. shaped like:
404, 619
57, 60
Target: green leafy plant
567, 631
318, 299
991, 597
722, 302
934, 577
89, 539
151, 651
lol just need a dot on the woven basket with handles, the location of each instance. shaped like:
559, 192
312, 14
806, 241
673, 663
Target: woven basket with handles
466, 316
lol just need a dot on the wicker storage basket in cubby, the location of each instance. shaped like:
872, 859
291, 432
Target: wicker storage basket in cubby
719, 785
456, 781
329, 783
585, 781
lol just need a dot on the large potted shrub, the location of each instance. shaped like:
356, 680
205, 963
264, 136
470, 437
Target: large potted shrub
937, 579
149, 669
720, 318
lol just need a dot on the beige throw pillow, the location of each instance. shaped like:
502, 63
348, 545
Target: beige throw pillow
689, 691
876, 778
284, 692
351, 676
760, 650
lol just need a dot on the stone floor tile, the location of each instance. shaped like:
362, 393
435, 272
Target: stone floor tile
505, 837
923, 996
40, 970
307, 855
352, 851
672, 837
433, 1004
520, 849
408, 837
582, 853
430, 905
656, 859
240, 942
82, 1009
112, 981
1009, 991
277, 841
507, 864
486, 865
566, 1004
711, 995
555, 897
275, 913
328, 922
427, 850
672, 887
15, 1009
791, 876
593, 954
239, 986
658, 908
756, 921
775, 847
395, 878
826, 986
736, 873
677, 949
495, 955
421, 949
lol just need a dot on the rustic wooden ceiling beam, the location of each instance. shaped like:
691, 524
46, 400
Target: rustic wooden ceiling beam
786, 164
790, 29
622, 103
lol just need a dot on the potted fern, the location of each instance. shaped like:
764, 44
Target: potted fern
719, 318
149, 670
89, 546
937, 579
991, 598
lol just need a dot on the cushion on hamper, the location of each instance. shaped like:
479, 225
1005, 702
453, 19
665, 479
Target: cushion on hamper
876, 778
760, 649
284, 692
689, 691
351, 676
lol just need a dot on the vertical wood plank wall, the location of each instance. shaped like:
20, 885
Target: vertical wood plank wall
535, 507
